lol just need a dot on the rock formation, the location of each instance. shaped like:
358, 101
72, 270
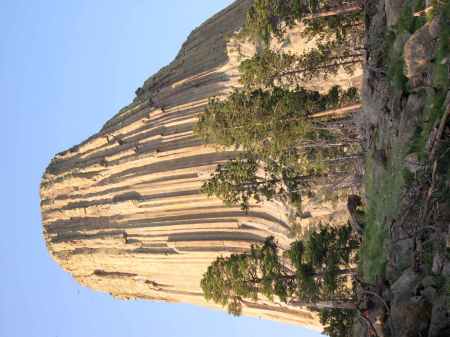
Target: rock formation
122, 211
397, 114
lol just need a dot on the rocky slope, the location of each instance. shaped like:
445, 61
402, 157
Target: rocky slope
406, 113
122, 211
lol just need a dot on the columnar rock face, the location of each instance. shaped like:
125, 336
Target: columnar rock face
122, 211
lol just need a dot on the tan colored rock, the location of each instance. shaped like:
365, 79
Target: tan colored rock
393, 10
419, 51
122, 211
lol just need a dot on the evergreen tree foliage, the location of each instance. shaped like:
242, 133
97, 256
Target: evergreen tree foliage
228, 281
236, 182
283, 143
307, 271
336, 27
269, 122
337, 322
269, 68
252, 119
284, 146
329, 249
267, 18
265, 68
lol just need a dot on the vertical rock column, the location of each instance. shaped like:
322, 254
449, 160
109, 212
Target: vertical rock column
122, 211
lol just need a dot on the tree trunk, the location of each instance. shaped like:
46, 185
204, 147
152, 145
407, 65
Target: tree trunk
320, 68
333, 12
326, 304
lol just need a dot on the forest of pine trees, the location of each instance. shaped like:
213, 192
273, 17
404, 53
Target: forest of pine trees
291, 142
286, 145
316, 272
287, 148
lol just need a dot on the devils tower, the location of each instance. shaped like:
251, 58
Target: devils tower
123, 212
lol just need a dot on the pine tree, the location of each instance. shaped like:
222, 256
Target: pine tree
244, 179
280, 138
337, 322
336, 27
269, 123
229, 281
268, 69
236, 183
268, 18
265, 18
274, 69
307, 276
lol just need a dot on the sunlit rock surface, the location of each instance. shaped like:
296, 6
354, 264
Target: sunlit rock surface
122, 211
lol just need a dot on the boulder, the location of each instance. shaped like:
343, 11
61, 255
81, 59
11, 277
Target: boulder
393, 10
429, 294
412, 163
404, 255
440, 320
406, 283
412, 113
419, 51
410, 317
438, 263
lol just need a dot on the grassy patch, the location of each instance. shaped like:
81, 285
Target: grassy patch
448, 295
434, 109
383, 186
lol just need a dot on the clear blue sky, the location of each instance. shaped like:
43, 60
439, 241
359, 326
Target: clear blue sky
65, 68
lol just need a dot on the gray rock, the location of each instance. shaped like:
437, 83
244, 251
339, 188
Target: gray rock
387, 294
412, 113
407, 282
399, 43
393, 10
419, 50
429, 294
410, 317
403, 257
440, 322
438, 263
412, 163
446, 269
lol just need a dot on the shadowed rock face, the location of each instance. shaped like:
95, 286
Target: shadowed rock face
122, 211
